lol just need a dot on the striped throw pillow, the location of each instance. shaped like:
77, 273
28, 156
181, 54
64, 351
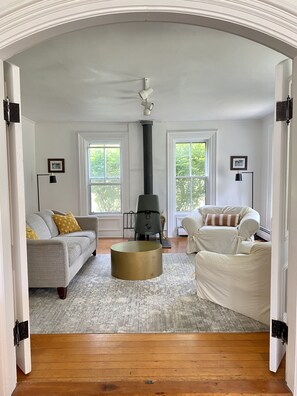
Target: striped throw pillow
229, 220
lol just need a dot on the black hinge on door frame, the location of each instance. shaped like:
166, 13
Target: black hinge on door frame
279, 330
20, 332
11, 111
284, 110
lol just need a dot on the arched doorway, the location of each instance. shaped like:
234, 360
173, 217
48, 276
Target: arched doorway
256, 22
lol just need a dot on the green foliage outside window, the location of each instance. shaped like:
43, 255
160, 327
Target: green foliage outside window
190, 175
105, 178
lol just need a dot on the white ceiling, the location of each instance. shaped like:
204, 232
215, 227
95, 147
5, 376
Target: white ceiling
196, 73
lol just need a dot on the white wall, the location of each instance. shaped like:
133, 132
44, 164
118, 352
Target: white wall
59, 140
265, 189
28, 130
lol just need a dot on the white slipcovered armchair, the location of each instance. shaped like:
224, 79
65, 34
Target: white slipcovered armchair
239, 282
224, 238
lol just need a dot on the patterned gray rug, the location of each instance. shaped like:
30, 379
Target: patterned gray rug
99, 303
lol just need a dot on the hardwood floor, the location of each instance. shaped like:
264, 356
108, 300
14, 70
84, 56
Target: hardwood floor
151, 364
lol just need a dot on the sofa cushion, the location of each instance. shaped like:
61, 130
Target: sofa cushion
31, 234
37, 223
229, 220
66, 223
75, 245
47, 216
87, 234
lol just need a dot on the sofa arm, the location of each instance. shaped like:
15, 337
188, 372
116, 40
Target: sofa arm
48, 263
192, 223
249, 224
88, 223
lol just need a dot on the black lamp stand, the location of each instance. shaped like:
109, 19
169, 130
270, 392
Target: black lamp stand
238, 177
52, 179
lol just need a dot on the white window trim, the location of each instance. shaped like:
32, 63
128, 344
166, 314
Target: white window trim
84, 139
173, 137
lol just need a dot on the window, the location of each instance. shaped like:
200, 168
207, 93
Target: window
104, 169
191, 173
190, 179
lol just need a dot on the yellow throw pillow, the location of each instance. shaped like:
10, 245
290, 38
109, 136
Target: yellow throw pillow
31, 234
66, 223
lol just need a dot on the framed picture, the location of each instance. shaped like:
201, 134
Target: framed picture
238, 162
56, 165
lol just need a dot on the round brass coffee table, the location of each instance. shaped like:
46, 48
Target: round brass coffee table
136, 260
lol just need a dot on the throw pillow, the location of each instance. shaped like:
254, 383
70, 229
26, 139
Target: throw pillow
66, 223
229, 220
30, 234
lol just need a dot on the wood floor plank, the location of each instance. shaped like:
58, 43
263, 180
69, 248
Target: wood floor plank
50, 356
152, 336
182, 374
164, 364
160, 350
135, 345
172, 388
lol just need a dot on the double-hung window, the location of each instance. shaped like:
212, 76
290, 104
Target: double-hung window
190, 175
104, 178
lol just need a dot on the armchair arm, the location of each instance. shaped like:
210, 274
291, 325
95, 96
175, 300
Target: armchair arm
48, 263
192, 223
249, 225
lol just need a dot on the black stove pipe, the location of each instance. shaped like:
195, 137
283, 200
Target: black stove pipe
147, 156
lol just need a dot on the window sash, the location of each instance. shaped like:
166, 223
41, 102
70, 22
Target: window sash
104, 180
190, 202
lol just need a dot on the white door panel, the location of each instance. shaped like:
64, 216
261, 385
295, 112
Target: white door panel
7, 350
17, 215
279, 236
291, 358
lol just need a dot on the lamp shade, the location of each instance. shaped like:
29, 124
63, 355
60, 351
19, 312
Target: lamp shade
52, 179
145, 93
238, 177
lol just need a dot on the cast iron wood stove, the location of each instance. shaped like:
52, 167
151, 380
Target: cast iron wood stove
148, 219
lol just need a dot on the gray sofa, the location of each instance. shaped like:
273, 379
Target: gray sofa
54, 259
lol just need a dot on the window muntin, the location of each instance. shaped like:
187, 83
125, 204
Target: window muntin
190, 175
104, 168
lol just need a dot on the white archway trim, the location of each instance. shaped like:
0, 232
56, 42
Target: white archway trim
264, 21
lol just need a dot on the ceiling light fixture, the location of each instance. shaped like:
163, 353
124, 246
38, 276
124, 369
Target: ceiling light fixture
146, 112
147, 91
147, 104
148, 107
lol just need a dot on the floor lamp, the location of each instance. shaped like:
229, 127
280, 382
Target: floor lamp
238, 177
52, 179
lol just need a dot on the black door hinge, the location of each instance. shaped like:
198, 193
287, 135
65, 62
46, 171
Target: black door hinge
284, 110
20, 332
279, 330
11, 112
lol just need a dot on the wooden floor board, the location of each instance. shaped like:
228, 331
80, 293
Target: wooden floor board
151, 364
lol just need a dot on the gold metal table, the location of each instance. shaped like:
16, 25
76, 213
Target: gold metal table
136, 260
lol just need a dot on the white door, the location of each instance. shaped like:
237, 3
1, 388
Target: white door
280, 177
291, 354
7, 350
17, 217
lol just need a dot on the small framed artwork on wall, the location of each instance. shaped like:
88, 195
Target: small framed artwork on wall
238, 162
56, 165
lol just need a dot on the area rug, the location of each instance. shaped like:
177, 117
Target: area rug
99, 303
